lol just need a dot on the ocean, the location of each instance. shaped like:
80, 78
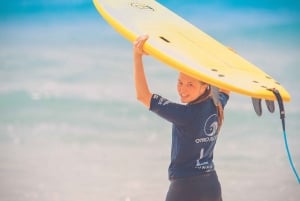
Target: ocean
72, 130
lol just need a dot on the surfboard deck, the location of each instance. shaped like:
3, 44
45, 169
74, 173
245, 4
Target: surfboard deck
186, 48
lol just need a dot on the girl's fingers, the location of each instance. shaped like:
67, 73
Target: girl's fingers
139, 43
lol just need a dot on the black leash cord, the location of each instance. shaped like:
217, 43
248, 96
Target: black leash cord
282, 117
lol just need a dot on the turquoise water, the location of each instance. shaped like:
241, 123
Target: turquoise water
71, 129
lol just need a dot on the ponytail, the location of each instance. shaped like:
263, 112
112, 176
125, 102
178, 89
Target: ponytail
220, 113
209, 94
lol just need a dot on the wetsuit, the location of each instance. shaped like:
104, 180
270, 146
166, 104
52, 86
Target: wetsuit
194, 135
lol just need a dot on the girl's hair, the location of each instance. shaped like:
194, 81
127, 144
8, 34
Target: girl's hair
220, 111
208, 94
220, 115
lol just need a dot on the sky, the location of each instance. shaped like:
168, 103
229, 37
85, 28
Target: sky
231, 12
16, 7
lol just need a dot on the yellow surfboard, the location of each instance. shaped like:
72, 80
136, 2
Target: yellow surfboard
186, 48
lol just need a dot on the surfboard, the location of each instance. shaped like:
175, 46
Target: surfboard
183, 46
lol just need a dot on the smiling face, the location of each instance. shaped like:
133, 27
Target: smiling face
189, 89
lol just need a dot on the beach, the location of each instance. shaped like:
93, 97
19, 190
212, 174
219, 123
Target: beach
71, 128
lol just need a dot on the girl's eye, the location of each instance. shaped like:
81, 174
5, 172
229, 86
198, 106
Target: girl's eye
190, 85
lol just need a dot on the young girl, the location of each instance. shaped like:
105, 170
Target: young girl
196, 124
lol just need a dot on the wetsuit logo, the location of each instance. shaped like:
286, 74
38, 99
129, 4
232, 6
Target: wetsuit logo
211, 125
210, 130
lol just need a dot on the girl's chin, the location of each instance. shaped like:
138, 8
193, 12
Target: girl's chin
184, 100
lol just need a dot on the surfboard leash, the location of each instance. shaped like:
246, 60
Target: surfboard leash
282, 117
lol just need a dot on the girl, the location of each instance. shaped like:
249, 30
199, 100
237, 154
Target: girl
196, 125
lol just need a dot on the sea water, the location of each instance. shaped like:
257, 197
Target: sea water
72, 130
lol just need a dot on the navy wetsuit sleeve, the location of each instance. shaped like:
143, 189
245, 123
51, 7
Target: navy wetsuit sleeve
223, 98
172, 112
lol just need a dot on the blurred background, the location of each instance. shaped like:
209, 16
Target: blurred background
71, 129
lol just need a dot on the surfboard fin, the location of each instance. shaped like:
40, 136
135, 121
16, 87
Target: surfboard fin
257, 106
215, 95
270, 106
